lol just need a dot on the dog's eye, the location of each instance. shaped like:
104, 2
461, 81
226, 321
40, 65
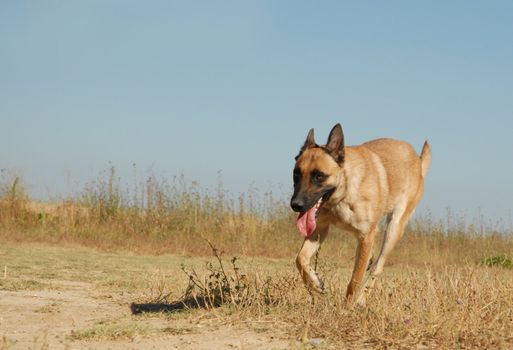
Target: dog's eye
318, 176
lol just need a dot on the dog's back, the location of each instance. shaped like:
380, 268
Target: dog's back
400, 154
405, 169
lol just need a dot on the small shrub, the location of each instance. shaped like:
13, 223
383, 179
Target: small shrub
498, 260
222, 285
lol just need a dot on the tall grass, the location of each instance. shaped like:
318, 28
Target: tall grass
176, 216
154, 216
452, 288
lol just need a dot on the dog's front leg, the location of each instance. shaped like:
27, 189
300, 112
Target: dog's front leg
310, 246
363, 254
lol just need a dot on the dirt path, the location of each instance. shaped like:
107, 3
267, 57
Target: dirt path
74, 315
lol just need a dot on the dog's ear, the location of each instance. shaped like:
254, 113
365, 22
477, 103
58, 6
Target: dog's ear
309, 143
335, 144
310, 140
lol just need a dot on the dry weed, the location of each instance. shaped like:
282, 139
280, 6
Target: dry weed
428, 307
446, 285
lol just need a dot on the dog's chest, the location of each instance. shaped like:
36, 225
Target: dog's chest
343, 212
347, 218
342, 216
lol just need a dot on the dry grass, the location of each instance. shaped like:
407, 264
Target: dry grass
445, 286
158, 217
105, 331
453, 306
433, 306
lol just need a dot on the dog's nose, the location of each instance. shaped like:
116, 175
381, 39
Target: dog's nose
297, 204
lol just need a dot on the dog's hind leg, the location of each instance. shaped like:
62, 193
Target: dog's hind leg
395, 229
310, 246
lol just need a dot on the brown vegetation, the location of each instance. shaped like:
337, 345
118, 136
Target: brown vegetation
447, 285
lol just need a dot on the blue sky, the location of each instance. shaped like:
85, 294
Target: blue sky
198, 87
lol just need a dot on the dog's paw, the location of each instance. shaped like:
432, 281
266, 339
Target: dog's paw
322, 290
317, 286
361, 301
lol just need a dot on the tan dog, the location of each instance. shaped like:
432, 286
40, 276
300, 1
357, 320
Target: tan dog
353, 188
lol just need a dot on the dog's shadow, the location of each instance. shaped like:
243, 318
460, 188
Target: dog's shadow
175, 306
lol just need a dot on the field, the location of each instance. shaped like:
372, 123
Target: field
173, 266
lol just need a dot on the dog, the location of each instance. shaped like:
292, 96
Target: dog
353, 188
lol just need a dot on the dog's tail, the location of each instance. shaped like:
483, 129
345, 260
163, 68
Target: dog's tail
425, 159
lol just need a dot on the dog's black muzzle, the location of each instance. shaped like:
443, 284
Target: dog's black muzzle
302, 202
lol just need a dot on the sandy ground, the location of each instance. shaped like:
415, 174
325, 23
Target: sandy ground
47, 319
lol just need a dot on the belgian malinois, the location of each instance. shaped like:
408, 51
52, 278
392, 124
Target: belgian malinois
353, 188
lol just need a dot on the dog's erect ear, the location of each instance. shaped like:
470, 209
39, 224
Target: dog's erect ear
310, 140
335, 144
309, 143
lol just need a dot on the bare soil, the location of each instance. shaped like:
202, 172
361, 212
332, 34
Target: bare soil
76, 298
41, 319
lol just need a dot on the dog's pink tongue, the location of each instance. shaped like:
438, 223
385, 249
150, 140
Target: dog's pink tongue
306, 222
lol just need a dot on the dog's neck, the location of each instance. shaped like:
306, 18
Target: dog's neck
348, 179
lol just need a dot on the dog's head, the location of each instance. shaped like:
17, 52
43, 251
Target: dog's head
316, 175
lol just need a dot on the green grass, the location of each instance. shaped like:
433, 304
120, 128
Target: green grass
498, 260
